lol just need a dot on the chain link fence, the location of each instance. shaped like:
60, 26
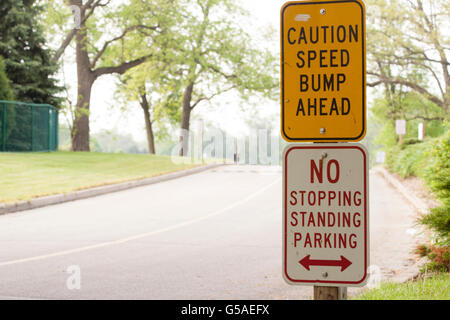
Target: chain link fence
28, 127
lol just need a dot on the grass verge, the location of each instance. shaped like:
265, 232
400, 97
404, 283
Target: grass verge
435, 287
24, 176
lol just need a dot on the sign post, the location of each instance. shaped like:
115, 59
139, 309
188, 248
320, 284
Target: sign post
400, 129
325, 187
421, 131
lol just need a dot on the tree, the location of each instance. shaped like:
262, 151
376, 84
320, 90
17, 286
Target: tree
27, 60
154, 87
408, 48
158, 101
107, 42
201, 56
5, 88
215, 55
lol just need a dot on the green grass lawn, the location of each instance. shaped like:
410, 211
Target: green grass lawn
27, 175
436, 287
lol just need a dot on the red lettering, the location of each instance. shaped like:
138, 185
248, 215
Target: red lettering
353, 242
346, 219
321, 219
313, 202
327, 240
342, 241
294, 217
317, 240
336, 178
303, 196
347, 198
356, 200
308, 240
319, 172
311, 220
332, 221
331, 196
297, 237
303, 217
293, 196
356, 223
322, 196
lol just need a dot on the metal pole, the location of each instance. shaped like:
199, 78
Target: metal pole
32, 127
330, 293
50, 113
56, 129
200, 139
236, 157
4, 128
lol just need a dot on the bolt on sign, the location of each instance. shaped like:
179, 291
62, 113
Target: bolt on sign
325, 214
323, 71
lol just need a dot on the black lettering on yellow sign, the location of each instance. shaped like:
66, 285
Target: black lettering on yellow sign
324, 59
319, 58
323, 34
323, 107
321, 82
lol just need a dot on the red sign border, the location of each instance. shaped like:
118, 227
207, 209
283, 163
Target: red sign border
285, 273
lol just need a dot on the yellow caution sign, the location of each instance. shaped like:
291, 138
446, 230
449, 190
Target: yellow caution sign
323, 71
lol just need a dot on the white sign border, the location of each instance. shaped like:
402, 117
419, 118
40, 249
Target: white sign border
331, 283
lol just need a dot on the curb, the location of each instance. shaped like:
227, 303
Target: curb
417, 203
414, 270
97, 191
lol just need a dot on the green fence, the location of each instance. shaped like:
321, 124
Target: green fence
28, 127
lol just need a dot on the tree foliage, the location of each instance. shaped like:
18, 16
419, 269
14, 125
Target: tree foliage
108, 40
408, 46
5, 88
214, 55
204, 53
217, 55
27, 58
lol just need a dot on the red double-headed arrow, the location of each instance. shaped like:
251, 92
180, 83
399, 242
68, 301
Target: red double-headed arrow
343, 263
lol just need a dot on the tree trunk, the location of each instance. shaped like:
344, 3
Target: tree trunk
148, 124
446, 91
185, 120
80, 129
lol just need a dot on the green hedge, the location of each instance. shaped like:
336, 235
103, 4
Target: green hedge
429, 160
410, 159
437, 176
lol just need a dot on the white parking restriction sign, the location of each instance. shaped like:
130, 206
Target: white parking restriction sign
325, 214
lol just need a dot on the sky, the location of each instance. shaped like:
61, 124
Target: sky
227, 112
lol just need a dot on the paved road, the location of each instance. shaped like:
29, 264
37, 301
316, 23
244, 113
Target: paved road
213, 235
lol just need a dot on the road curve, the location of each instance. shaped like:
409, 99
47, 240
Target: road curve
213, 235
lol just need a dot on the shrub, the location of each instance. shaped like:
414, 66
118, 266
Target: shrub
429, 160
410, 160
437, 176
438, 220
439, 258
438, 173
410, 141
